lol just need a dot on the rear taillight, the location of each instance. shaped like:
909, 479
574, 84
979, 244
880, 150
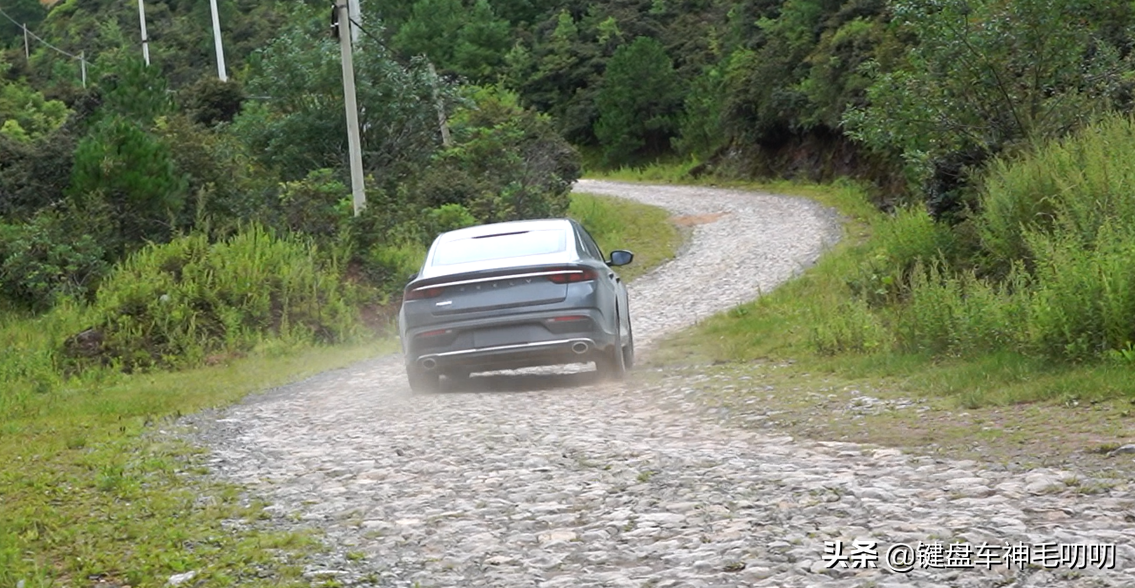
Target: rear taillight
419, 293
573, 275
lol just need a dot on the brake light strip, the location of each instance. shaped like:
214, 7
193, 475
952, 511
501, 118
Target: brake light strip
505, 277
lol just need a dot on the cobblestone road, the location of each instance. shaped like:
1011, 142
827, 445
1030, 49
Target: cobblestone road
550, 479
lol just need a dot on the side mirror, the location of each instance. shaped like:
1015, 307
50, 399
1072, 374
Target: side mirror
620, 257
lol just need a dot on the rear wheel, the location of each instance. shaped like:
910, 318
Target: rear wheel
422, 381
613, 364
628, 349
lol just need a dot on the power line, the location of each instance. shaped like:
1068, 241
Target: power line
81, 57
438, 103
37, 37
366, 32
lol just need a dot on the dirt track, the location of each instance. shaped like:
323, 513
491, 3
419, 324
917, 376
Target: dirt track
551, 479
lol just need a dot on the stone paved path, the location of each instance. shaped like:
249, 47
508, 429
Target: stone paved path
548, 478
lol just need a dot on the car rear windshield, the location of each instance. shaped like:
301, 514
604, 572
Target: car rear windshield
500, 246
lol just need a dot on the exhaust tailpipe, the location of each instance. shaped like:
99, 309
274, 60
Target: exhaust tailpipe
579, 347
429, 363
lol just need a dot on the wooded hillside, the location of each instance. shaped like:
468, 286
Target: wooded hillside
915, 95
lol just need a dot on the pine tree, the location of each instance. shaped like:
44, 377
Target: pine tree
638, 102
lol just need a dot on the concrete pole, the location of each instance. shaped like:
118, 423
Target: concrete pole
145, 40
83, 66
217, 42
27, 52
357, 16
353, 141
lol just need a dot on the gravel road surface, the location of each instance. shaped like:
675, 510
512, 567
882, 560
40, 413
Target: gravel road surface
548, 478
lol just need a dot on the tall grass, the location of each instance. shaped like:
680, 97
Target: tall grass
1072, 187
176, 303
30, 361
1039, 283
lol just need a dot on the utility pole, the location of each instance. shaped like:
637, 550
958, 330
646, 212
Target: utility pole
342, 27
83, 66
356, 16
145, 41
217, 42
27, 52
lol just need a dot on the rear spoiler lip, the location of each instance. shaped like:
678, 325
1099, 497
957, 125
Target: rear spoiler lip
510, 273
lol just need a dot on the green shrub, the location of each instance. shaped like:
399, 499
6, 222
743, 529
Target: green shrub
900, 242
958, 314
46, 259
317, 205
34, 174
1083, 304
122, 166
29, 360
174, 304
847, 326
447, 217
226, 185
390, 266
1074, 185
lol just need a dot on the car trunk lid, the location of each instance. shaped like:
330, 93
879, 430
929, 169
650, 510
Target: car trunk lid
496, 289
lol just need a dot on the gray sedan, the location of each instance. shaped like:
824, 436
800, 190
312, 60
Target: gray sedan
511, 295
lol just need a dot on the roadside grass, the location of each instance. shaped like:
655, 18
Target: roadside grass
811, 345
91, 497
91, 491
617, 223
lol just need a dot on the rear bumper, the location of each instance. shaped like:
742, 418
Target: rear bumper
524, 340
512, 356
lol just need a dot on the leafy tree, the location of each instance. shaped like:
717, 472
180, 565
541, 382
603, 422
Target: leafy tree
835, 78
985, 77
638, 102
27, 12
470, 41
506, 161
481, 43
551, 73
25, 114
432, 30
34, 173
135, 91
211, 101
125, 172
765, 102
47, 258
181, 48
702, 124
518, 12
301, 125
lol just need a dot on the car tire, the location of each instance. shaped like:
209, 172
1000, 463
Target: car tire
628, 349
612, 365
422, 381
